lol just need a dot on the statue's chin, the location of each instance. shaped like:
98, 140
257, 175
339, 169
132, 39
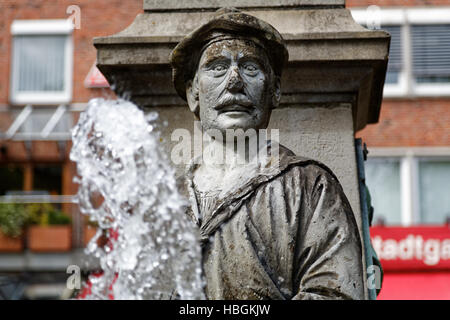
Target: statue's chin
233, 120
236, 120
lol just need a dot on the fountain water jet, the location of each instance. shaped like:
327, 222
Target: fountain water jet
153, 250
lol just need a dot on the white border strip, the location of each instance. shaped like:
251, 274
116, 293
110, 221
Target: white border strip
57, 26
388, 16
428, 15
409, 151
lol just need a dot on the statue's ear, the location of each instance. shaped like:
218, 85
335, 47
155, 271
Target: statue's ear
192, 95
276, 94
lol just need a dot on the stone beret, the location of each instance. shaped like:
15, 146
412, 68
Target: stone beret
225, 21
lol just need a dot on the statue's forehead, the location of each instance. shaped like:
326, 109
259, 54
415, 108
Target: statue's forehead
238, 48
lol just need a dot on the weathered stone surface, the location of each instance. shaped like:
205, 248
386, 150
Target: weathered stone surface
166, 27
152, 5
331, 56
323, 133
331, 87
281, 228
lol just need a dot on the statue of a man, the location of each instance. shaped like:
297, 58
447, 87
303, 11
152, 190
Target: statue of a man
277, 228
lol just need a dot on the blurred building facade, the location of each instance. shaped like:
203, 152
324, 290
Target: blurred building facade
47, 76
408, 166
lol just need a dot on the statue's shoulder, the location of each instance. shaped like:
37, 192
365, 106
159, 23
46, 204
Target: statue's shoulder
292, 163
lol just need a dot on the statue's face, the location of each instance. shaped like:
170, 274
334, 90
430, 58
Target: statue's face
234, 86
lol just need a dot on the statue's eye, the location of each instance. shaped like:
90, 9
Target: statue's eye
219, 69
250, 69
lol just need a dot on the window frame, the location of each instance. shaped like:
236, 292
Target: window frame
422, 16
390, 17
390, 159
427, 159
43, 27
407, 86
409, 158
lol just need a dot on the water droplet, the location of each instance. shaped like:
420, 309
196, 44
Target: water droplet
118, 156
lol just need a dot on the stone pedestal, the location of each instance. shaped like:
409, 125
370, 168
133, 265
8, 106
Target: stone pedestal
331, 87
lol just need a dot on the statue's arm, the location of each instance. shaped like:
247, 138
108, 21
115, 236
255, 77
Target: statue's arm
328, 254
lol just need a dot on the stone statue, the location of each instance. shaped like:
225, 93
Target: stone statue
280, 227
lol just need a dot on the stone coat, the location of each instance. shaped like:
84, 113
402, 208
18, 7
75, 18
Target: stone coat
286, 232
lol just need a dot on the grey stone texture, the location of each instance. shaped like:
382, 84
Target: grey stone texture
323, 133
154, 5
332, 85
331, 58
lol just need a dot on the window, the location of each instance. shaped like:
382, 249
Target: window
434, 184
419, 56
395, 64
11, 179
409, 189
41, 70
30, 179
431, 53
32, 183
47, 178
383, 181
431, 58
396, 75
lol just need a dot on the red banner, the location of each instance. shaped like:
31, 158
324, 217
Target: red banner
412, 248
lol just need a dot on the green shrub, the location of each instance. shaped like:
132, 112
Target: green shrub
13, 218
44, 214
57, 217
38, 213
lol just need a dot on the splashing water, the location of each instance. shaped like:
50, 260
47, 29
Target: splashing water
153, 250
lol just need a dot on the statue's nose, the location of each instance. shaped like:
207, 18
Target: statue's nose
235, 82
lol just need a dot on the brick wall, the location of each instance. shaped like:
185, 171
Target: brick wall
418, 122
409, 122
98, 18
